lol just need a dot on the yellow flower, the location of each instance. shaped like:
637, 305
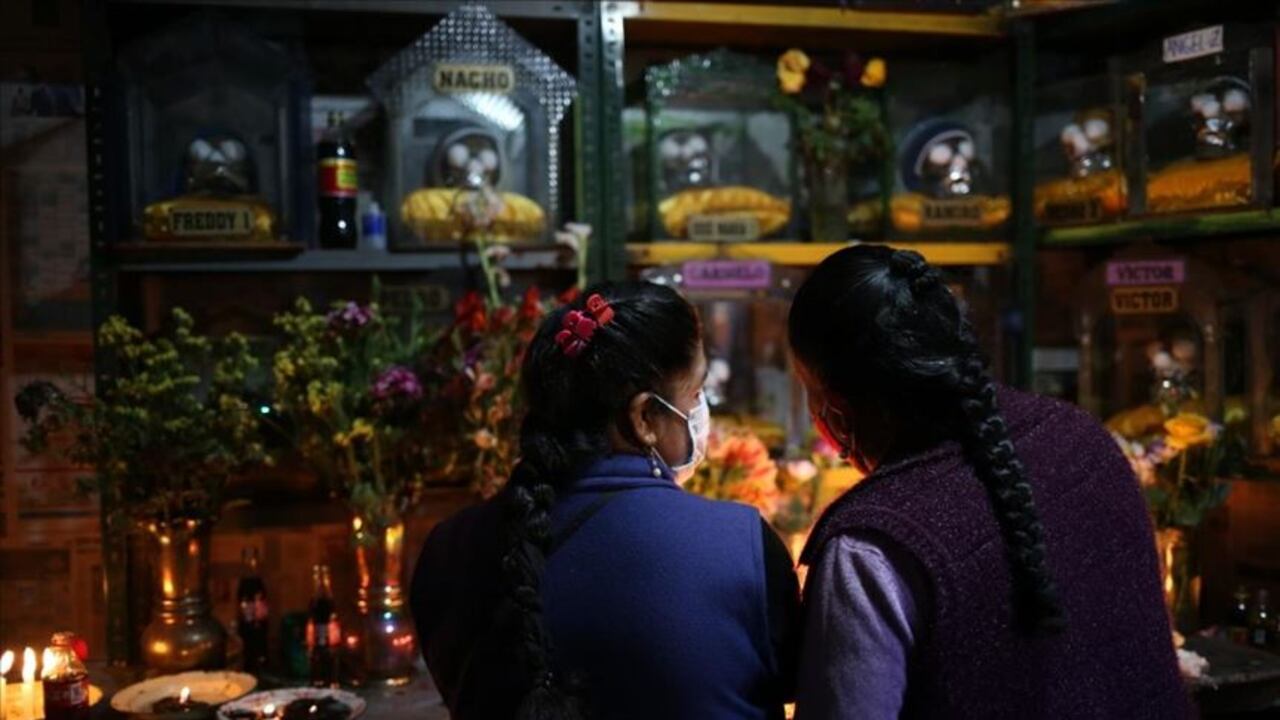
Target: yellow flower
1188, 430
284, 367
485, 440
873, 74
792, 65
360, 431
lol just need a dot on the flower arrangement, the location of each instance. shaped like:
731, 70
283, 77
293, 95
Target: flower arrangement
165, 432
350, 385
480, 355
849, 124
1179, 455
738, 468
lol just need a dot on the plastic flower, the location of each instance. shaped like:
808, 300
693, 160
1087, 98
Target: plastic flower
485, 440
360, 431
1186, 430
873, 75
801, 470
791, 69
531, 305
350, 316
396, 383
470, 312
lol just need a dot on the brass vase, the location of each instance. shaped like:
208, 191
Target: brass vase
388, 648
1180, 577
182, 635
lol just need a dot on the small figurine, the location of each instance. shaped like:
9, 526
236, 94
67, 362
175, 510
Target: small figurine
468, 159
1088, 143
945, 178
686, 159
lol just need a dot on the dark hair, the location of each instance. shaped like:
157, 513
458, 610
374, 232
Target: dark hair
572, 402
879, 328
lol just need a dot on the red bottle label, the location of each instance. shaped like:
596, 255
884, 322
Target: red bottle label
338, 177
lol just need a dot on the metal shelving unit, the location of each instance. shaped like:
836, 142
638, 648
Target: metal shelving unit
808, 254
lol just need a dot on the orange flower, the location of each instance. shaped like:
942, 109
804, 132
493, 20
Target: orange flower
873, 75
1188, 430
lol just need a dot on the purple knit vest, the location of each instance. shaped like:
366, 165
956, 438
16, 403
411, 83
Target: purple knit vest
1115, 658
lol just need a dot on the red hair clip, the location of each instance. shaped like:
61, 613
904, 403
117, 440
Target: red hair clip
579, 328
578, 331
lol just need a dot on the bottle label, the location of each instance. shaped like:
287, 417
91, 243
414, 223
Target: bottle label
338, 177
320, 635
255, 609
66, 694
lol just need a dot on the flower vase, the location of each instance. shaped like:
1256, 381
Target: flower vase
183, 634
387, 645
828, 200
1180, 577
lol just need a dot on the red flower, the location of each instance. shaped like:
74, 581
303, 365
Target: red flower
470, 313
531, 306
570, 296
503, 316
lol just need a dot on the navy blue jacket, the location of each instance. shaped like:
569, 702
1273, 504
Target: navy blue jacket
659, 603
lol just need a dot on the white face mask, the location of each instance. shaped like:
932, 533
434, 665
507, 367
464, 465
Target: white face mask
698, 424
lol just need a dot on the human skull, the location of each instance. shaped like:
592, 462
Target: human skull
686, 159
1220, 116
1088, 143
947, 164
218, 165
470, 159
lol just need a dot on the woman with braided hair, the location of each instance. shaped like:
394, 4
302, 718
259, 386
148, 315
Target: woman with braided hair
592, 586
998, 561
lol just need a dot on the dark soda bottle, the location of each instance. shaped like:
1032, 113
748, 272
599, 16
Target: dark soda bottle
338, 186
1261, 623
324, 634
251, 621
66, 682
1238, 623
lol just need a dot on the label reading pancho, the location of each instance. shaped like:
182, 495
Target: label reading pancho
958, 212
450, 78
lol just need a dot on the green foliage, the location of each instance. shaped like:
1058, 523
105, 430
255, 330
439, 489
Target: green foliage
166, 431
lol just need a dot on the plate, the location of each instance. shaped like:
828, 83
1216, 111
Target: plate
215, 688
280, 698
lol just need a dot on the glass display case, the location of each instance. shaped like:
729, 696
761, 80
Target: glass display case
952, 140
1149, 321
720, 165
1206, 100
472, 105
216, 133
1079, 140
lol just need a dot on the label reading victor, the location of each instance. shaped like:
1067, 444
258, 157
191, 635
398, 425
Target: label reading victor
338, 177
1157, 300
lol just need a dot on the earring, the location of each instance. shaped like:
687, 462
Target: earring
655, 462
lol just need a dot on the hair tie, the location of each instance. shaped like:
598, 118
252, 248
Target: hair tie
579, 327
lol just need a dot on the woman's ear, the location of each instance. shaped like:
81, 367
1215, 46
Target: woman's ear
639, 419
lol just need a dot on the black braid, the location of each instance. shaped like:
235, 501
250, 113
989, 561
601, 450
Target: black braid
572, 402
906, 351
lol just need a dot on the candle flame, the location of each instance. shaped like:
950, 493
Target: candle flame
49, 663
28, 665
269, 710
6, 662
185, 696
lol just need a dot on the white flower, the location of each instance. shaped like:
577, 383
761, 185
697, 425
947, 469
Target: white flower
503, 277
497, 253
569, 240
582, 230
802, 470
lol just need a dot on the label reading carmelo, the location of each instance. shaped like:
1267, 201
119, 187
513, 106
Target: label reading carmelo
728, 275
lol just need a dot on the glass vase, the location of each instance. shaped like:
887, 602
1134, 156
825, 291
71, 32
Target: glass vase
1180, 577
388, 648
183, 634
828, 200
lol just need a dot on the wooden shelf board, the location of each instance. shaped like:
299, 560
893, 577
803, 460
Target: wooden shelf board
826, 18
523, 257
807, 254
1172, 227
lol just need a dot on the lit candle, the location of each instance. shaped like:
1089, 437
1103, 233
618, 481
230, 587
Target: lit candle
268, 711
6, 664
28, 697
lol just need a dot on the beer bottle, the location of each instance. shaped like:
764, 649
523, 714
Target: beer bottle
324, 634
251, 620
338, 186
1261, 624
65, 680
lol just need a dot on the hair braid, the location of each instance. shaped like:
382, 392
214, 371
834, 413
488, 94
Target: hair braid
996, 463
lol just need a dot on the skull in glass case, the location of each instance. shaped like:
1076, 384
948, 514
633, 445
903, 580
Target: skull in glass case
686, 158
468, 158
1089, 143
1220, 116
945, 163
218, 164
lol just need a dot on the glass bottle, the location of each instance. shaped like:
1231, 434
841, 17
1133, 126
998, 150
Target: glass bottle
252, 619
324, 634
1261, 623
1238, 621
65, 681
338, 186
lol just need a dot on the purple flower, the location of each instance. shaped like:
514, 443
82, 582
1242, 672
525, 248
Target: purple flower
397, 383
350, 316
